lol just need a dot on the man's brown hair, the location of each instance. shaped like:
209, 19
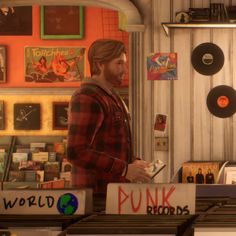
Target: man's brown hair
102, 51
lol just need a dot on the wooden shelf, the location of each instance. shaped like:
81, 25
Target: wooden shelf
167, 25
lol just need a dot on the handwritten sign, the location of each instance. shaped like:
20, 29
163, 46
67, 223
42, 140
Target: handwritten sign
151, 199
64, 202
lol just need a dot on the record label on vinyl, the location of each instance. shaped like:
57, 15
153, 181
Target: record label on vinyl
221, 101
207, 58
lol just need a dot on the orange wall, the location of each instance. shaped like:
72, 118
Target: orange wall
98, 23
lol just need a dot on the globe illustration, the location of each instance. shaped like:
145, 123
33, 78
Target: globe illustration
67, 204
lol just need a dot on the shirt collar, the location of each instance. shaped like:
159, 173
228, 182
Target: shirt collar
98, 83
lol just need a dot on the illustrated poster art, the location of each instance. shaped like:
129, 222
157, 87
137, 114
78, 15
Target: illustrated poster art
54, 64
162, 66
200, 172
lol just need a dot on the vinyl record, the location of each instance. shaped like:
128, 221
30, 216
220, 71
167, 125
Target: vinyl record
207, 58
221, 101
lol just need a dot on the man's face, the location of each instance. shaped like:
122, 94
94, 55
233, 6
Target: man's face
115, 70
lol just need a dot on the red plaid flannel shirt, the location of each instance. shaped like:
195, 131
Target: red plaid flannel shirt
99, 139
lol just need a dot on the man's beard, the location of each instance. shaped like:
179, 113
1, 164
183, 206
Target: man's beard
114, 79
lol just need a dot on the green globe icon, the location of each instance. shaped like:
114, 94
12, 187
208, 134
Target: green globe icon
67, 204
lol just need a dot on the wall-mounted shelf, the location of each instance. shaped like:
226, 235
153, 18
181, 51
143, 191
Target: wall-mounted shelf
167, 25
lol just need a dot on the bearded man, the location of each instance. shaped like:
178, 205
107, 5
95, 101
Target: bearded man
99, 136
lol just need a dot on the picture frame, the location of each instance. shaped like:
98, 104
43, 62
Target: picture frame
55, 26
54, 64
2, 64
16, 20
26, 116
2, 116
60, 115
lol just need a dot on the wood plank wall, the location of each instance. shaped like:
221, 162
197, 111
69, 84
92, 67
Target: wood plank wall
194, 133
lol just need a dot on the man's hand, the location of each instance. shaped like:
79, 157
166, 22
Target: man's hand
136, 172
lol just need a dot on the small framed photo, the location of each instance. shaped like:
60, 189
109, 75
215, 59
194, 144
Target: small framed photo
2, 64
16, 20
26, 116
60, 115
54, 24
2, 116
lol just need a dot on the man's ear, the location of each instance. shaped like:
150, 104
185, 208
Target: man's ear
100, 66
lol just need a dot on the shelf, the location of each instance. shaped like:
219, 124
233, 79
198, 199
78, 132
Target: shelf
167, 25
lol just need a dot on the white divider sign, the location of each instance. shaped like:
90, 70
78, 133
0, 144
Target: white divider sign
151, 199
55, 202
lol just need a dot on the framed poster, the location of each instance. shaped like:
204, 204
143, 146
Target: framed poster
2, 116
54, 64
162, 66
16, 20
60, 115
62, 22
2, 64
26, 116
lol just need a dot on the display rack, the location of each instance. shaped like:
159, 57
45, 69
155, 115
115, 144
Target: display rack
168, 25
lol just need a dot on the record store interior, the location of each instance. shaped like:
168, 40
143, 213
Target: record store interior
180, 90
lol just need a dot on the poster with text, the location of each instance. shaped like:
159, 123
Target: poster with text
162, 66
54, 64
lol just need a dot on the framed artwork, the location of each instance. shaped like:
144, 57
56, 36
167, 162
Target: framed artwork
2, 116
62, 22
162, 66
54, 64
2, 64
26, 116
60, 115
16, 20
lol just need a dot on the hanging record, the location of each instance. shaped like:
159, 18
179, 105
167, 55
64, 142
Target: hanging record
207, 58
221, 101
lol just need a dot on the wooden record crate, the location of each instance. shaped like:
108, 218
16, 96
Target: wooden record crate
132, 224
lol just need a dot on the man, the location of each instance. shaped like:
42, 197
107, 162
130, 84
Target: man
99, 138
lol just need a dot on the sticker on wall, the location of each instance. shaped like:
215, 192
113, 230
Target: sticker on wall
162, 66
160, 122
26, 116
54, 64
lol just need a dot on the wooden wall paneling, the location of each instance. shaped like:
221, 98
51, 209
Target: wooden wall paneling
201, 117
221, 130
233, 72
161, 89
181, 96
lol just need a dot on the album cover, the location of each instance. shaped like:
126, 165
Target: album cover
200, 172
66, 166
15, 20
162, 66
18, 157
52, 167
54, 64
60, 115
230, 177
40, 156
26, 116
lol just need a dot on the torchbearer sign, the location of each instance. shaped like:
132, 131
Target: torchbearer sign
151, 199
